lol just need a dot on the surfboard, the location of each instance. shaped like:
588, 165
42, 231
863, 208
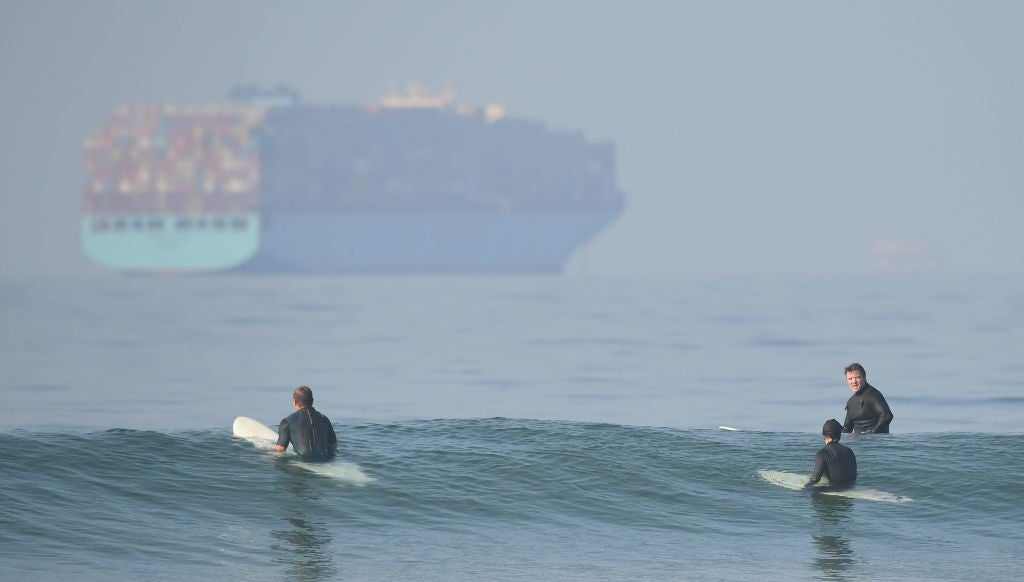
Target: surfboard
254, 430
796, 482
264, 437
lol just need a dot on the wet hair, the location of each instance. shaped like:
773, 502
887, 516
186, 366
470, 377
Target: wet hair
303, 396
855, 367
833, 429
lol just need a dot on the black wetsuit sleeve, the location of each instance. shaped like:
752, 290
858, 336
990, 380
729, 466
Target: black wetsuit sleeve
332, 439
820, 466
848, 422
880, 406
283, 434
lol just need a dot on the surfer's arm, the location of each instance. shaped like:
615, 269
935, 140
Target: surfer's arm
848, 421
332, 438
283, 433
884, 414
819, 470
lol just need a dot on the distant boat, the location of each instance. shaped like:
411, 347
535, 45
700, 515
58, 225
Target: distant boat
412, 183
890, 255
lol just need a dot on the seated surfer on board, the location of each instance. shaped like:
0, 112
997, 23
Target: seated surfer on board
309, 432
866, 410
835, 461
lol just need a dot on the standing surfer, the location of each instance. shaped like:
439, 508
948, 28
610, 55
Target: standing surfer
866, 410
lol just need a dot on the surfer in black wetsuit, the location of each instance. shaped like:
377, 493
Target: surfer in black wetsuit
835, 461
309, 432
866, 410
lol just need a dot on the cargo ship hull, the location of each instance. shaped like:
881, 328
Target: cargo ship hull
165, 244
357, 243
421, 242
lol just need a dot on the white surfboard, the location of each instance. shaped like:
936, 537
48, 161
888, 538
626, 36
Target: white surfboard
796, 481
255, 431
264, 437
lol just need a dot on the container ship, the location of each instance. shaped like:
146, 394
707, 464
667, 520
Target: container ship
414, 182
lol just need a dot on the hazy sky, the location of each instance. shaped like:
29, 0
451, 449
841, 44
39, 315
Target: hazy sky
752, 136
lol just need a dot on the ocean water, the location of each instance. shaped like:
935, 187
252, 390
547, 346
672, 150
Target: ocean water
522, 428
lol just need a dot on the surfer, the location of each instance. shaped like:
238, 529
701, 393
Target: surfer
835, 461
866, 410
309, 432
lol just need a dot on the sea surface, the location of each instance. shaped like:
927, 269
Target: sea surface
507, 428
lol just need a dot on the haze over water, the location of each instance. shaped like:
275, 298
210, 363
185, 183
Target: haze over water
756, 353
751, 137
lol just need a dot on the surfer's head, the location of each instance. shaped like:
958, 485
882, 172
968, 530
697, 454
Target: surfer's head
832, 429
856, 377
303, 396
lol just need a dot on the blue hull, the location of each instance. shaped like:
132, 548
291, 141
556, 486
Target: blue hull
348, 243
168, 244
422, 242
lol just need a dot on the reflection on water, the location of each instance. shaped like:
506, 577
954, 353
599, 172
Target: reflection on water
835, 557
305, 541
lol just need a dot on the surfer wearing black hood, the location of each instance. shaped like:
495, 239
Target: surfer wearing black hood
835, 461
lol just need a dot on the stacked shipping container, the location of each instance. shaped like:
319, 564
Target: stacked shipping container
174, 160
